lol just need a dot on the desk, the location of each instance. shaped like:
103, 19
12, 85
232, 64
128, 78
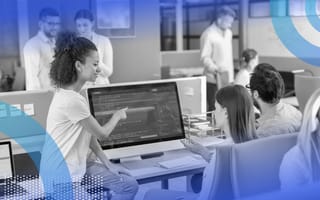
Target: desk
148, 170
145, 171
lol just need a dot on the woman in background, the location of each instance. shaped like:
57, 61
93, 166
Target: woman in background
84, 24
234, 116
301, 164
249, 59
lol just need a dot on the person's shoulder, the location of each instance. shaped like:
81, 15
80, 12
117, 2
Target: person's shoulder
69, 96
102, 37
290, 110
209, 34
293, 154
290, 107
290, 158
32, 42
243, 72
229, 31
276, 126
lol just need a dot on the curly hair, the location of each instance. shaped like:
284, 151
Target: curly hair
69, 49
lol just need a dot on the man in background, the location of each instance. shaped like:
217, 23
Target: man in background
216, 52
267, 88
39, 50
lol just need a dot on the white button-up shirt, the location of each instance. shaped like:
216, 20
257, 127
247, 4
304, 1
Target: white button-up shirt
106, 57
38, 55
216, 50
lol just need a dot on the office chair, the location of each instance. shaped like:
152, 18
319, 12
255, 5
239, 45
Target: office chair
255, 164
304, 87
221, 186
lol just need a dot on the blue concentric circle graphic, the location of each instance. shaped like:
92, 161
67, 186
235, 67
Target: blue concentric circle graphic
311, 11
54, 167
290, 36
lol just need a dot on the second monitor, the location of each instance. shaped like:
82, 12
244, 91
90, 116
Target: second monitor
153, 116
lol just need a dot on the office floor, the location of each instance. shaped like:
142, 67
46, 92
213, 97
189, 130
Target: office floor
174, 184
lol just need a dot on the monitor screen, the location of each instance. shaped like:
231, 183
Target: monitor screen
153, 113
6, 165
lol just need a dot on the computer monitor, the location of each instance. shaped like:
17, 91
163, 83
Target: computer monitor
6, 162
192, 94
154, 121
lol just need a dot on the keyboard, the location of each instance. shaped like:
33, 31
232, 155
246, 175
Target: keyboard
181, 162
11, 189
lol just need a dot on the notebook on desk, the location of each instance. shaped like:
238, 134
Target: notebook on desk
8, 185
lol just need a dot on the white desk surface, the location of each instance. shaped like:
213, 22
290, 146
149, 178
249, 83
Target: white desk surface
148, 168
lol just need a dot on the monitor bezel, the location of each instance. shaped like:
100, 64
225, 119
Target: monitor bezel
90, 92
11, 161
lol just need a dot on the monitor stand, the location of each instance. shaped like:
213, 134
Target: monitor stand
135, 158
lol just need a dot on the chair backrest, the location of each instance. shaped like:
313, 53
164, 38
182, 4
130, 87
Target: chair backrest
221, 186
304, 87
255, 164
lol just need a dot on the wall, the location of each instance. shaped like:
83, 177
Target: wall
8, 29
138, 58
29, 134
289, 64
262, 37
9, 47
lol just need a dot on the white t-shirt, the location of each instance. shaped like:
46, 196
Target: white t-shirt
66, 110
242, 78
280, 119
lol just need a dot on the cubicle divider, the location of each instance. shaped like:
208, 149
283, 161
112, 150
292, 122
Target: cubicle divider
17, 106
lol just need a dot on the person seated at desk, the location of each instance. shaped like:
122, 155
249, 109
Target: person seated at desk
74, 129
301, 164
267, 88
234, 115
250, 59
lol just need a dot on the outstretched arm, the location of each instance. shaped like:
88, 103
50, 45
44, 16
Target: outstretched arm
198, 149
103, 132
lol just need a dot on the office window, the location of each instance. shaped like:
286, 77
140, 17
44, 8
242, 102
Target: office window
259, 9
196, 16
168, 25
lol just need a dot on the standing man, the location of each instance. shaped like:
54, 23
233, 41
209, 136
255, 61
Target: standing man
216, 52
39, 50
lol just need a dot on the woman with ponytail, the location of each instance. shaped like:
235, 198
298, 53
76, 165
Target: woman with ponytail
71, 126
301, 164
249, 60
